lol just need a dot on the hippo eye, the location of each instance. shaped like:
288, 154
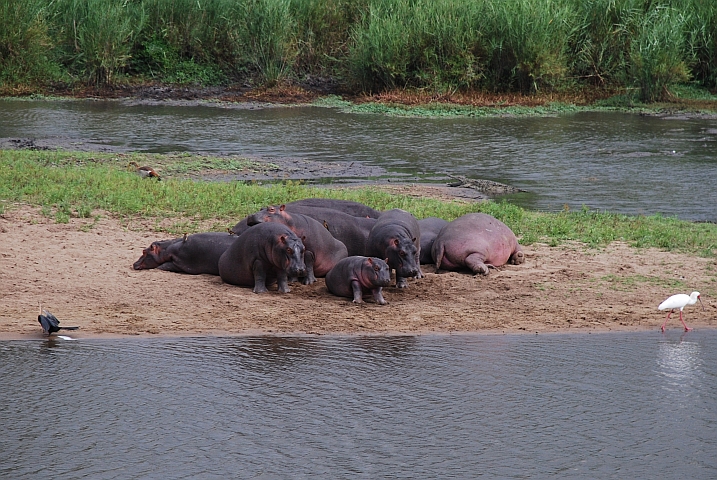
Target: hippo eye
376, 267
402, 253
290, 251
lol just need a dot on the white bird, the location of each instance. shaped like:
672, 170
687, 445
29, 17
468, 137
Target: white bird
680, 301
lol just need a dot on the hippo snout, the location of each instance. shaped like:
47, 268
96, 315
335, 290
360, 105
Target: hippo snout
407, 271
297, 271
383, 281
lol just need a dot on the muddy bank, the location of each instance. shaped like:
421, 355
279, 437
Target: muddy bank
86, 279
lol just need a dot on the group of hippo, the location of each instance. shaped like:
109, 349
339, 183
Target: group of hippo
353, 246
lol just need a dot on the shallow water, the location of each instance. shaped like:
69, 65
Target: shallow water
615, 405
608, 161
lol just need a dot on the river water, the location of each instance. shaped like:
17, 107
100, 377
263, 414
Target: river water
613, 405
617, 162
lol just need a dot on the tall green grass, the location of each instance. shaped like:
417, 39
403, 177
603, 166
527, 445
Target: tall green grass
74, 184
25, 43
372, 45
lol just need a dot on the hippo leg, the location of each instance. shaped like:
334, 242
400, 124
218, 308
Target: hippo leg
378, 296
259, 277
474, 261
418, 262
282, 281
358, 293
170, 267
517, 258
309, 259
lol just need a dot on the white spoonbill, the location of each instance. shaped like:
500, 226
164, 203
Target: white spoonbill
680, 301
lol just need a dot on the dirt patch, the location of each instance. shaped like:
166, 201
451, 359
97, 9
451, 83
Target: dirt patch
86, 279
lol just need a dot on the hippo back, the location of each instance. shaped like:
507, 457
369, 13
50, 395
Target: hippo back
355, 209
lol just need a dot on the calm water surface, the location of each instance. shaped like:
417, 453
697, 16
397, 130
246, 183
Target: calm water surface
609, 161
618, 405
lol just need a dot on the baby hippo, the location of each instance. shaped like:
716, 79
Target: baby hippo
358, 275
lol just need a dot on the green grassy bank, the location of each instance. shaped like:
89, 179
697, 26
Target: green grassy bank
364, 45
72, 184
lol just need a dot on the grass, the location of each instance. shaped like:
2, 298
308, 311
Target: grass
76, 185
440, 46
633, 282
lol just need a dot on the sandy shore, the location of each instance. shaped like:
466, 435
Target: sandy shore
85, 277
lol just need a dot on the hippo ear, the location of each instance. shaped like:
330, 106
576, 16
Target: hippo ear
282, 238
413, 240
282, 208
370, 261
154, 248
395, 242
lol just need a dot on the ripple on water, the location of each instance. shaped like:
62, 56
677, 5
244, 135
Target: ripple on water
577, 406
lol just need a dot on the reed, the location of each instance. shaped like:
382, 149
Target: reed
528, 42
24, 43
599, 43
658, 53
95, 37
702, 40
75, 184
439, 46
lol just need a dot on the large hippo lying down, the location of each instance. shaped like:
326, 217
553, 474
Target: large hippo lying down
264, 254
355, 209
323, 251
396, 237
430, 228
476, 241
356, 276
194, 254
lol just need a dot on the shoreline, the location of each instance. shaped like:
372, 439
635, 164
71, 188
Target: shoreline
85, 277
75, 336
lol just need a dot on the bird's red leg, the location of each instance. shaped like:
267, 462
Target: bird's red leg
668, 317
687, 329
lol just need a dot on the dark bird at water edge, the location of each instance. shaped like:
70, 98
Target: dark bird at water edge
50, 323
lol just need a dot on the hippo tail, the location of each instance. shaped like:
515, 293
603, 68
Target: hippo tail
439, 256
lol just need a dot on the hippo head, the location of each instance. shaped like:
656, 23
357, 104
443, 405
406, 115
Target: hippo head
153, 256
376, 272
289, 252
271, 213
402, 256
517, 258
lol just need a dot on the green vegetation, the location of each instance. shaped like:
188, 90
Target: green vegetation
441, 46
73, 184
633, 282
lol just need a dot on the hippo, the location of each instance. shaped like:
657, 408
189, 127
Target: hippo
264, 254
355, 209
358, 276
397, 237
323, 251
240, 227
349, 230
429, 228
193, 254
476, 241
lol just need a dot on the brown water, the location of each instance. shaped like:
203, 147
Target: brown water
607, 161
616, 405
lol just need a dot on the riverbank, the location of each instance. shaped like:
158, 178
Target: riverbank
85, 277
687, 102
